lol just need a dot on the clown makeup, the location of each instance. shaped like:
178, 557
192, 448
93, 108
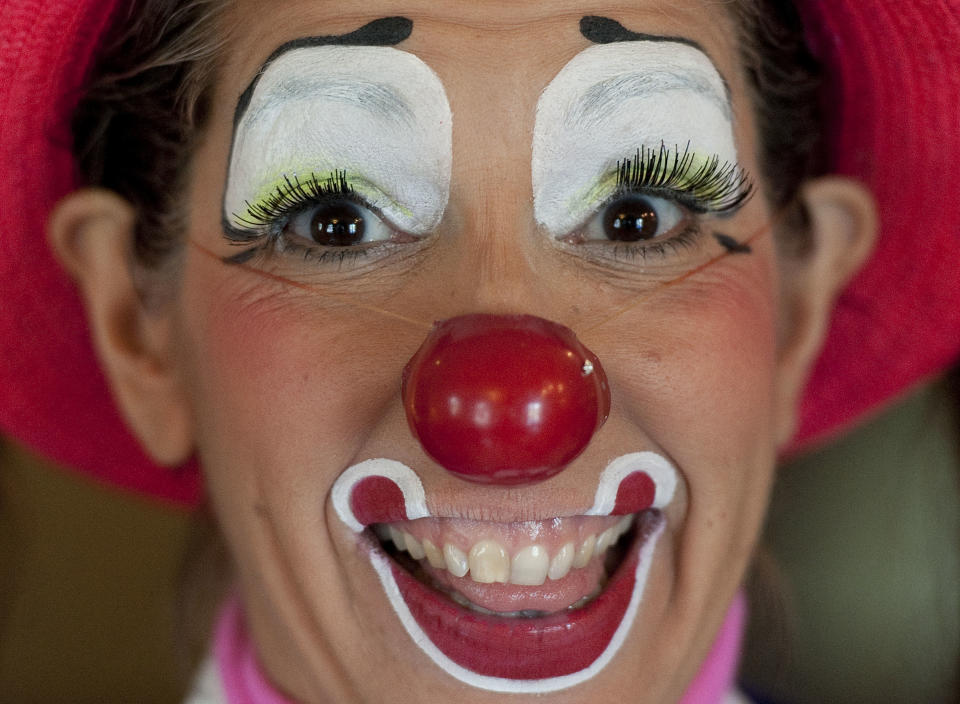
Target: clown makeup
301, 426
339, 145
636, 116
488, 569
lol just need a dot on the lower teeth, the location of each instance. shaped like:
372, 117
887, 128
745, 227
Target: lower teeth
467, 604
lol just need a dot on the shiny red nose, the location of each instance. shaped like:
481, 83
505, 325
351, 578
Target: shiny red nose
504, 399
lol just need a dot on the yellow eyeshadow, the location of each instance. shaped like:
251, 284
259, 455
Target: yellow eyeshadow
610, 182
287, 184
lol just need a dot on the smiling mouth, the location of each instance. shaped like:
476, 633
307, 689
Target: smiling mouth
496, 568
532, 606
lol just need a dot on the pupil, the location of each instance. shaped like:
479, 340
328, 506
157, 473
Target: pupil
630, 220
337, 225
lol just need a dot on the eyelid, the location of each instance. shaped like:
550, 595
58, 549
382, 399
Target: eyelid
700, 184
290, 195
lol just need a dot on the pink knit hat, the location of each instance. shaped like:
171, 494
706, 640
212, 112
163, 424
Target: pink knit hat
893, 90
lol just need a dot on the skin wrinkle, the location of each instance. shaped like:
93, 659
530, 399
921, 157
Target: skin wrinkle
680, 279
304, 615
297, 286
508, 17
295, 589
685, 570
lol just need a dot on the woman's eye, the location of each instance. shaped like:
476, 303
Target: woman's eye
634, 218
338, 223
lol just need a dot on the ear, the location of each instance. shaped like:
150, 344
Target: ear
841, 229
91, 231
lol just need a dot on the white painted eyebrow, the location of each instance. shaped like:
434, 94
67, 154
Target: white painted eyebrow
381, 100
601, 98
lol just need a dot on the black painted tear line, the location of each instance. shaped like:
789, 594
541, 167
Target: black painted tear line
387, 31
241, 257
731, 245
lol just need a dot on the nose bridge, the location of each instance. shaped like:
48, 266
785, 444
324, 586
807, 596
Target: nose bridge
499, 258
492, 191
496, 262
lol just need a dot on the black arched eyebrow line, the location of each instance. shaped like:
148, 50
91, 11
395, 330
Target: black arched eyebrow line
386, 31
603, 30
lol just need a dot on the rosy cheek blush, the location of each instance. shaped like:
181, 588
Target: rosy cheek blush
376, 115
611, 101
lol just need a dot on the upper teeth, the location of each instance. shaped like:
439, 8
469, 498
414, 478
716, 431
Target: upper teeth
488, 561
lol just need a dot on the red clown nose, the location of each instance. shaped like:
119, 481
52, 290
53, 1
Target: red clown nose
504, 399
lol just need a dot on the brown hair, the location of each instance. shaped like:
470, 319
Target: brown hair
143, 110
785, 80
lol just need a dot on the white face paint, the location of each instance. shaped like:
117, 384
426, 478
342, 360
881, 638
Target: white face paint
377, 114
612, 100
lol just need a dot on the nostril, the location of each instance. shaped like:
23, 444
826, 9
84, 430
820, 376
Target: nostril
504, 399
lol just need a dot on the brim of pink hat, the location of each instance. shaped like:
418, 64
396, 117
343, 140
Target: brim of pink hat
892, 94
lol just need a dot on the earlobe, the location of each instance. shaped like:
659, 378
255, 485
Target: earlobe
91, 232
842, 228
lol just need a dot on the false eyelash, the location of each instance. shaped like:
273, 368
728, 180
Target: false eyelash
288, 198
711, 187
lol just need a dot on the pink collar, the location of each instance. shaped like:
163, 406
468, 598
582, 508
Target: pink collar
244, 683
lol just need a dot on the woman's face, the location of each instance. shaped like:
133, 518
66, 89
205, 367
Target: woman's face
486, 143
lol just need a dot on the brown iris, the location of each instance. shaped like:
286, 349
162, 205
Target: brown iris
630, 220
337, 225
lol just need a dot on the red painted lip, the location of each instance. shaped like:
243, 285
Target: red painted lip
527, 649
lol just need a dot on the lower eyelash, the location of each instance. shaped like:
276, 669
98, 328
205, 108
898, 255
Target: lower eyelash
683, 240
277, 243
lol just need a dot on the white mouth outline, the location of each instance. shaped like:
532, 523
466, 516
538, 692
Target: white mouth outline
657, 467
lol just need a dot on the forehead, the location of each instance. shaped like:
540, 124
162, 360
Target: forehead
512, 44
